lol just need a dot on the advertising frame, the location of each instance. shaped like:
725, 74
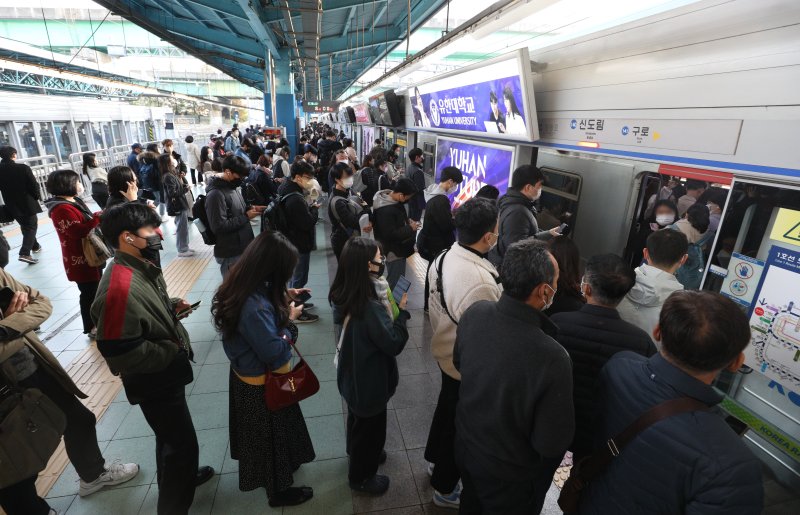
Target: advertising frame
497, 146
523, 71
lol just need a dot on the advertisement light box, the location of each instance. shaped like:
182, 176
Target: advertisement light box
466, 102
362, 113
480, 163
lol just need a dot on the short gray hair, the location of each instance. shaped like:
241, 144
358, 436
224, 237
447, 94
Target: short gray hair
526, 264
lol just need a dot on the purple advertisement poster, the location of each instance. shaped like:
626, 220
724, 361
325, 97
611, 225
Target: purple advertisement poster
493, 106
479, 163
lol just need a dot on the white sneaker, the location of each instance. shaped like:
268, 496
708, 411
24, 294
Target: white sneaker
52, 512
188, 253
115, 474
451, 500
430, 469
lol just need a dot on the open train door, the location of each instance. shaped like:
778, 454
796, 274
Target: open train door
657, 185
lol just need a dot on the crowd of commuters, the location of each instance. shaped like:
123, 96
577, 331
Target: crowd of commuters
538, 355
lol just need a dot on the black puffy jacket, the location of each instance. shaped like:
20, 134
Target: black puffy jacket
301, 218
591, 336
690, 463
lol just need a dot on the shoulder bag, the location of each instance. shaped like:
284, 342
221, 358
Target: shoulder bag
284, 390
339, 345
595, 465
31, 426
95, 249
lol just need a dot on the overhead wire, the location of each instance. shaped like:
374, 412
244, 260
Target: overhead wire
49, 43
91, 36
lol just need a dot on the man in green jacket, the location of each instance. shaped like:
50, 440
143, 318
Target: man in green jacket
27, 362
140, 336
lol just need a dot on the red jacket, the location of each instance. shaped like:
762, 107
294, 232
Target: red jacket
73, 221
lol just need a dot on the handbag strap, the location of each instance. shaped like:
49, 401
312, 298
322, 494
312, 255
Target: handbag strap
341, 336
596, 464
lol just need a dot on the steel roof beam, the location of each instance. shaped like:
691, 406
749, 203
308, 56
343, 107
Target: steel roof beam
348, 21
217, 7
258, 20
378, 36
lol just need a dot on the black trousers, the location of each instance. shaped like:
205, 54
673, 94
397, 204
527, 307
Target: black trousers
192, 172
366, 437
427, 284
484, 494
440, 449
177, 450
88, 293
28, 225
80, 441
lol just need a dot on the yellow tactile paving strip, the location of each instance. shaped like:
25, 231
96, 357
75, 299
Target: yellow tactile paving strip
89, 370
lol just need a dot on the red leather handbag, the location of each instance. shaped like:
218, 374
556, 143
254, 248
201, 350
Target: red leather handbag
284, 390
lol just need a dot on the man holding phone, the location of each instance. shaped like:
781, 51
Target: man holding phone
141, 338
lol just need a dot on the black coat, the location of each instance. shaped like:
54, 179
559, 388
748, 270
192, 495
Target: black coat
367, 375
439, 230
417, 203
301, 218
688, 463
227, 214
514, 414
392, 230
344, 217
20, 190
566, 300
591, 336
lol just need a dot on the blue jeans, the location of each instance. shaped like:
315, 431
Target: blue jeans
162, 207
225, 264
182, 223
300, 276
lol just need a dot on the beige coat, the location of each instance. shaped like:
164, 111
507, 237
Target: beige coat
467, 279
25, 322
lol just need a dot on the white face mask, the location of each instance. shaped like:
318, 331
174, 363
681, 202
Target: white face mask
537, 195
79, 189
496, 239
549, 303
664, 220
347, 182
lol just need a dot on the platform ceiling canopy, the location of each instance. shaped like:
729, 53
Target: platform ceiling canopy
315, 36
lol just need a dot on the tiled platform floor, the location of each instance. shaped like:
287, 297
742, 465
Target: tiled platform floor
125, 435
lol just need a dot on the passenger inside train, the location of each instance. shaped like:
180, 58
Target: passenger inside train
506, 258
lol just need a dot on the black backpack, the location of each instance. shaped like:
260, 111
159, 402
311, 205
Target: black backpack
274, 217
200, 215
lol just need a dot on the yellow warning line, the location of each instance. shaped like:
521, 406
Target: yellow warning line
91, 374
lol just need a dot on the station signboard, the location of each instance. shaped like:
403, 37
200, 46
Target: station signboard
493, 98
320, 106
480, 163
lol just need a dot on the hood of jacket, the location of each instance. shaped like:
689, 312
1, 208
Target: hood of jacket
692, 234
147, 157
54, 202
218, 183
653, 286
514, 198
433, 190
383, 198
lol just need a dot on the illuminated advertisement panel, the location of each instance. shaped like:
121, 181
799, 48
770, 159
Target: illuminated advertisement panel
362, 113
469, 102
480, 163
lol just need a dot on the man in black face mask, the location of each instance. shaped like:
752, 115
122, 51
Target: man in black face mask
228, 213
141, 338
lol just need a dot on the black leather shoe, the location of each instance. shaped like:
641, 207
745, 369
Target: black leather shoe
204, 473
376, 485
292, 496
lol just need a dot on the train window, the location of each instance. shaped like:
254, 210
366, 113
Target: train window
97, 136
64, 140
5, 135
119, 132
46, 138
84, 130
559, 201
109, 140
27, 139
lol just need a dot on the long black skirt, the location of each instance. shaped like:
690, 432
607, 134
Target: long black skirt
269, 445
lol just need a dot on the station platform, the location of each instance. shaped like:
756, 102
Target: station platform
124, 434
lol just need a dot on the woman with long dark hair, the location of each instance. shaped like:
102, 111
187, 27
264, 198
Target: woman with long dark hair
568, 295
98, 177
251, 310
206, 157
515, 123
73, 220
175, 188
373, 334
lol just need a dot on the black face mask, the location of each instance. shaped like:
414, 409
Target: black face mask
381, 267
151, 255
153, 242
236, 182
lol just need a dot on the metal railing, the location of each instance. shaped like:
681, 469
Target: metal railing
106, 157
42, 166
